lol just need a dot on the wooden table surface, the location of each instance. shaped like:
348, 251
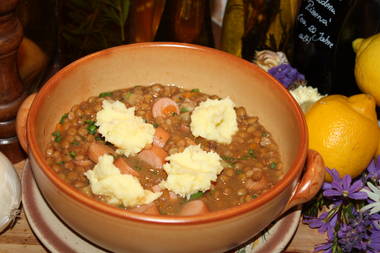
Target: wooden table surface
20, 237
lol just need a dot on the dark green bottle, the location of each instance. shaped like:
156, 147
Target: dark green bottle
324, 33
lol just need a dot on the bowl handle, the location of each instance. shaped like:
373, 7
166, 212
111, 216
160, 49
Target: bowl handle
22, 115
311, 181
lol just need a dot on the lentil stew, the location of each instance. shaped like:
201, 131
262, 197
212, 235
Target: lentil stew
251, 162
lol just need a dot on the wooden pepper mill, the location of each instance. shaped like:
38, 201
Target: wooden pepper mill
12, 92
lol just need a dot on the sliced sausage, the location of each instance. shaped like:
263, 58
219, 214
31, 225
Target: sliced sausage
155, 156
164, 107
194, 207
96, 150
124, 168
160, 137
147, 209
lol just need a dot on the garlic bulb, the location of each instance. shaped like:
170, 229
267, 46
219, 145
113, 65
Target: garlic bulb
10, 192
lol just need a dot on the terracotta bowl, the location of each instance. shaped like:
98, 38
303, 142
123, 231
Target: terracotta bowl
188, 66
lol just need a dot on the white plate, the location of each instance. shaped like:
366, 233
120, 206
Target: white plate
57, 237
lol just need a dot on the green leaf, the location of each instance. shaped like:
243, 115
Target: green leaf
91, 129
57, 136
105, 94
273, 165
184, 109
75, 143
90, 122
64, 116
73, 154
251, 153
196, 195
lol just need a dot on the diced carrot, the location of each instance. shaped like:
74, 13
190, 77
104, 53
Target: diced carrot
194, 207
188, 94
124, 168
147, 209
96, 150
160, 137
155, 156
164, 107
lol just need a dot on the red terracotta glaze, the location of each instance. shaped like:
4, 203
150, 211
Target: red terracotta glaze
188, 66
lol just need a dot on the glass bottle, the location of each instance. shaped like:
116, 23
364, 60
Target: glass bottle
144, 19
186, 21
324, 32
254, 25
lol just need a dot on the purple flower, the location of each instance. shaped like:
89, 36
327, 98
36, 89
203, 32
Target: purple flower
374, 242
328, 246
342, 187
286, 74
375, 218
374, 170
324, 247
325, 222
354, 233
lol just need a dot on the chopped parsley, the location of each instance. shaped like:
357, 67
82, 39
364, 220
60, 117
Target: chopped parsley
64, 116
90, 122
195, 90
273, 165
251, 153
196, 195
155, 125
75, 143
238, 172
91, 128
184, 109
105, 94
127, 95
57, 136
73, 154
99, 138
137, 168
60, 162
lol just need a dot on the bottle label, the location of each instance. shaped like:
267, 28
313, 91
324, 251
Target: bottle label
317, 22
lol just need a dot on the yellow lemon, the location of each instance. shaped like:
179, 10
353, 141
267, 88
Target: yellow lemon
344, 131
367, 64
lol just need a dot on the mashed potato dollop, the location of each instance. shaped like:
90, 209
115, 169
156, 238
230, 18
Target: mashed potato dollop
215, 120
191, 171
106, 179
121, 127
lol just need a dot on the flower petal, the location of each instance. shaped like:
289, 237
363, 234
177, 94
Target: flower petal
346, 182
357, 185
358, 195
331, 193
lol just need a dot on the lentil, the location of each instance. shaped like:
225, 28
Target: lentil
251, 158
